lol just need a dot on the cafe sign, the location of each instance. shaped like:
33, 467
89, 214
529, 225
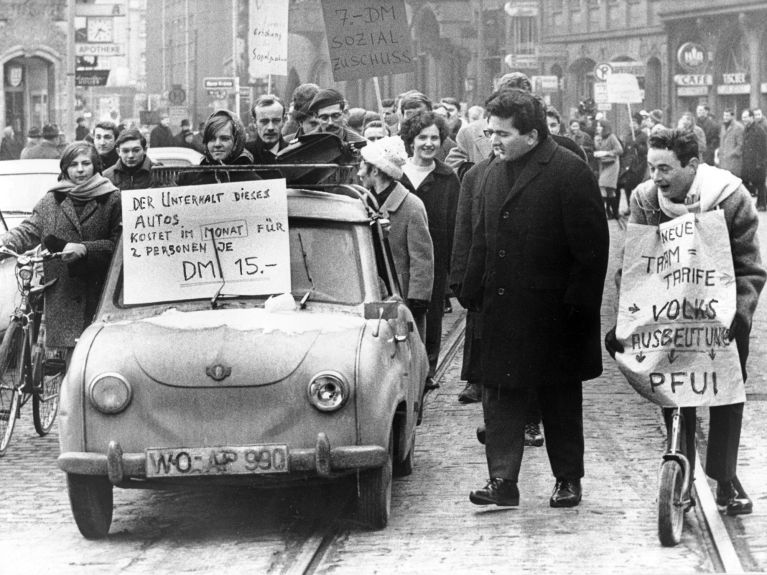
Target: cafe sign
692, 56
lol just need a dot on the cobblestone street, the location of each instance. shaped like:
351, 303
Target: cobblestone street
434, 528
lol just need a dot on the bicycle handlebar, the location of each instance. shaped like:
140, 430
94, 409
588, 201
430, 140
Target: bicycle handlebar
29, 257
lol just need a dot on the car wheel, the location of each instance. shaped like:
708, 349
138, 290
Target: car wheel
404, 467
374, 493
91, 500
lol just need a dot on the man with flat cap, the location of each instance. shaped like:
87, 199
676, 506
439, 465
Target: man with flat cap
328, 107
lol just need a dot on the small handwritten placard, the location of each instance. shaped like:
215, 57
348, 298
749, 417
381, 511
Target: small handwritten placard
677, 302
187, 242
367, 38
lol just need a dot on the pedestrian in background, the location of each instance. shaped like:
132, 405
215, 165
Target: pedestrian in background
607, 151
633, 161
754, 159
710, 128
81, 218
81, 131
731, 144
34, 137
10, 149
536, 269
681, 184
104, 138
411, 246
437, 186
687, 122
48, 148
161, 135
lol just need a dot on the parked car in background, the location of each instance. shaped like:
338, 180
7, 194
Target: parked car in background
174, 156
22, 184
230, 391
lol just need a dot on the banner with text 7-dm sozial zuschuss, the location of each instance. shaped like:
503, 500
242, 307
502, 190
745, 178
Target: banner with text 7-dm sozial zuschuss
367, 38
187, 242
677, 302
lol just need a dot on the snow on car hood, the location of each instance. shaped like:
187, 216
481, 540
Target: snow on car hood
248, 347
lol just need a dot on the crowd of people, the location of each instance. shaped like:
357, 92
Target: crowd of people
506, 209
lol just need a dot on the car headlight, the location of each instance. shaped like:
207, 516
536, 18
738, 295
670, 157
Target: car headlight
110, 393
328, 391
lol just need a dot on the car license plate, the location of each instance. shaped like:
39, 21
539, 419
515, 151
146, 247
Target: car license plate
195, 461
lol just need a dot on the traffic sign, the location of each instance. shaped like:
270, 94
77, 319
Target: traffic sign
218, 83
91, 77
177, 96
218, 94
602, 71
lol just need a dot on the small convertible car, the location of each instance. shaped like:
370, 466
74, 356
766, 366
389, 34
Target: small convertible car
230, 391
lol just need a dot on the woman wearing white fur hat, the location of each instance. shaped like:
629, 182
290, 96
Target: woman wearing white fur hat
409, 238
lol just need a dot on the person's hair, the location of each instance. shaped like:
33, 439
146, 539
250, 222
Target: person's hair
217, 121
552, 112
414, 99
516, 80
79, 119
301, 98
265, 100
130, 134
607, 129
377, 124
75, 149
107, 125
451, 101
705, 107
387, 102
683, 143
356, 118
413, 126
370, 117
748, 111
475, 113
729, 111
526, 111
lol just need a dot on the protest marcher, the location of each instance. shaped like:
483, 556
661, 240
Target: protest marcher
539, 285
414, 102
297, 114
633, 161
268, 113
375, 130
437, 186
133, 171
754, 159
104, 138
454, 120
607, 151
411, 246
680, 184
81, 218
730, 152
328, 107
224, 141
161, 135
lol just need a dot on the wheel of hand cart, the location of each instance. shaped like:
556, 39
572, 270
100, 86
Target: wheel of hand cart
670, 504
91, 500
374, 492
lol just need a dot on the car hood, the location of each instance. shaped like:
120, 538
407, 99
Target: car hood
231, 348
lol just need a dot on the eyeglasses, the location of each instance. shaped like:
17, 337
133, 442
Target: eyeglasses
335, 116
500, 133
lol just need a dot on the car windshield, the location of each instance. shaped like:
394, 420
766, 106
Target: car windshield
20, 192
323, 256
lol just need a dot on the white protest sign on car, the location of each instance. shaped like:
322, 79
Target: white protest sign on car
188, 242
677, 302
367, 38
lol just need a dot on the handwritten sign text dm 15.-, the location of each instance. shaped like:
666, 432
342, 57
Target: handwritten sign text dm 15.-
185, 242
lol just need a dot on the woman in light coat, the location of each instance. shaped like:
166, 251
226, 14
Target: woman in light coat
607, 150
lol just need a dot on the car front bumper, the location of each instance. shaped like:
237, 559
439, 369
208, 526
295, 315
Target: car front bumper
321, 460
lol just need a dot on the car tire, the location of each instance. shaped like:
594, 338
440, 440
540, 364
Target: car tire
91, 500
374, 493
404, 467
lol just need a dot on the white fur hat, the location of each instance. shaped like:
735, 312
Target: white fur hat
387, 154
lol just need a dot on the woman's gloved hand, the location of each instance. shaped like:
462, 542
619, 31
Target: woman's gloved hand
612, 345
73, 252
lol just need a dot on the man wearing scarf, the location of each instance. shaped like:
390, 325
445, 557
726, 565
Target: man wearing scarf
680, 184
82, 220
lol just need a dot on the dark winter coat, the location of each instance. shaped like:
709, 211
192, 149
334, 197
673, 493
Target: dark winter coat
537, 266
126, 179
161, 137
71, 302
213, 176
754, 153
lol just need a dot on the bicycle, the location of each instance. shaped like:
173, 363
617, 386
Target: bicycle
674, 486
25, 373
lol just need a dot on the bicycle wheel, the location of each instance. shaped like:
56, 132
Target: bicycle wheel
47, 376
670, 505
11, 366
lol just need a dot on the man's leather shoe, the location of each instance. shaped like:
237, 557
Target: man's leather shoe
503, 492
472, 393
567, 493
733, 498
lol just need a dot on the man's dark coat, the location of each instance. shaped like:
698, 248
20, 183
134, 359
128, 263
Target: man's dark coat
537, 264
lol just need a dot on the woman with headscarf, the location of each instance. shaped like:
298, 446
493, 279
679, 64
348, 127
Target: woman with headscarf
81, 218
223, 140
607, 150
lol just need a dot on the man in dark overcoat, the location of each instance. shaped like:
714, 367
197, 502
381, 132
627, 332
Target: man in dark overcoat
536, 269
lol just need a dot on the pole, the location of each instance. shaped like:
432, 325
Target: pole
70, 123
633, 136
480, 88
269, 83
234, 60
378, 97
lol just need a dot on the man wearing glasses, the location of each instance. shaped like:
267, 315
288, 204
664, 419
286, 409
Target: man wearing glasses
328, 107
536, 271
